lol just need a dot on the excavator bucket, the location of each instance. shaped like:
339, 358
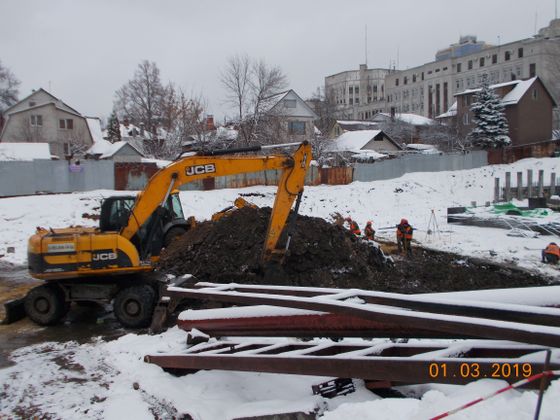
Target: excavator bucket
14, 310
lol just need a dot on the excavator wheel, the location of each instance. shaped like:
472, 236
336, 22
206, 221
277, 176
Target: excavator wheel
172, 234
133, 306
45, 304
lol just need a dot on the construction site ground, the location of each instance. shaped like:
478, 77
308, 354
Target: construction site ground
324, 254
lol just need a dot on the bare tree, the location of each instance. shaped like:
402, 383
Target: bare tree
250, 85
8, 88
141, 98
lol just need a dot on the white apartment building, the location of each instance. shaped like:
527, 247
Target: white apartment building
357, 94
429, 89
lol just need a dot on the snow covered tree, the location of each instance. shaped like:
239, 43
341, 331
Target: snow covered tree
491, 126
114, 128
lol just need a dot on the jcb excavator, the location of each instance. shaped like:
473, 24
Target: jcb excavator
109, 263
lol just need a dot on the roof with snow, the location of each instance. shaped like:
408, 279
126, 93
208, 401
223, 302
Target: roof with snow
451, 112
519, 89
24, 151
105, 149
350, 125
354, 141
413, 119
94, 126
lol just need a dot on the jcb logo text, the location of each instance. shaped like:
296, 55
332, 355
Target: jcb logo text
200, 169
104, 256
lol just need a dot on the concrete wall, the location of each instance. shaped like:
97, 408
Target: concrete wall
23, 178
394, 168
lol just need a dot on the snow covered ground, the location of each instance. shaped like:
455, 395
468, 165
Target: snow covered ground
413, 196
98, 379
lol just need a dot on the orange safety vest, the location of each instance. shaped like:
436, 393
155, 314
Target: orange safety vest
404, 230
552, 249
354, 228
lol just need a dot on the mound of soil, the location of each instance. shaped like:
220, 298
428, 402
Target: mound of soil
325, 255
321, 254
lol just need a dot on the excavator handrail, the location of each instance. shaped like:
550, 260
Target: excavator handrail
196, 167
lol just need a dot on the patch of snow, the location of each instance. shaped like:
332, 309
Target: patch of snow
94, 125
24, 151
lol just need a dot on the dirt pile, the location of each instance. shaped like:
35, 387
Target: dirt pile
321, 254
326, 255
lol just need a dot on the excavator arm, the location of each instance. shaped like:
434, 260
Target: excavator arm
193, 168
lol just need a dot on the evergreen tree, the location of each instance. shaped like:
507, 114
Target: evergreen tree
113, 128
491, 128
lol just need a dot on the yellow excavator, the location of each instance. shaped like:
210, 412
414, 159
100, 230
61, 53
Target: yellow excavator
109, 263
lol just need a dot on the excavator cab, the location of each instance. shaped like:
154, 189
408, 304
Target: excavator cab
157, 231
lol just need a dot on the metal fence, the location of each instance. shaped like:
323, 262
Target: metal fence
22, 178
49, 176
394, 168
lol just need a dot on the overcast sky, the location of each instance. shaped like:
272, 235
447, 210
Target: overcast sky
85, 50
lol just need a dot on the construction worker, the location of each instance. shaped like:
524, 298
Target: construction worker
551, 254
404, 236
369, 232
354, 228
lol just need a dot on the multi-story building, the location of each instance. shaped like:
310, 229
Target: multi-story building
429, 89
357, 94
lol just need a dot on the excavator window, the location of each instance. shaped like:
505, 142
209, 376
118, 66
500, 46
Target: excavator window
115, 212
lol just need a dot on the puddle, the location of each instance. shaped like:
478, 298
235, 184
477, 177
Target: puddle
81, 324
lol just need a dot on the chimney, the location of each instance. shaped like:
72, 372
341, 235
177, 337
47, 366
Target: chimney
210, 123
126, 121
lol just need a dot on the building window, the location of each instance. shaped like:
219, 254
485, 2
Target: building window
351, 90
357, 100
494, 58
296, 127
414, 78
466, 119
520, 52
437, 70
481, 61
289, 103
405, 80
470, 64
397, 81
532, 70
36, 120
66, 147
32, 103
422, 75
458, 67
535, 94
351, 101
507, 55
356, 90
67, 124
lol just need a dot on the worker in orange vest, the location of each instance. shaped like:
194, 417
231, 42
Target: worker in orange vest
404, 236
354, 228
369, 232
551, 254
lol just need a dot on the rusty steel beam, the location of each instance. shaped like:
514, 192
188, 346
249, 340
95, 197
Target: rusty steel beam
443, 323
537, 316
311, 325
402, 364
